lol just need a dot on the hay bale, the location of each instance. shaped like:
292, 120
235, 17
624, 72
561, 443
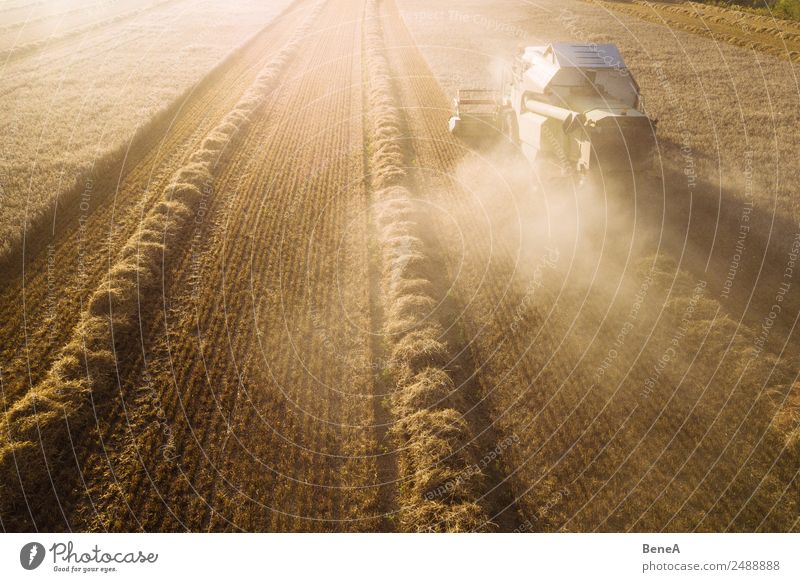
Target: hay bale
411, 307
400, 228
409, 265
227, 128
184, 192
434, 437
400, 287
125, 269
430, 389
145, 235
92, 333
84, 363
396, 204
31, 415
447, 483
417, 350
172, 209
193, 173
442, 482
388, 170
154, 226
397, 328
39, 415
113, 297
149, 257
439, 517
215, 141
102, 367
21, 466
69, 367
205, 156
397, 246
238, 117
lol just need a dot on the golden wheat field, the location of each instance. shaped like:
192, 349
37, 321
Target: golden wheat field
250, 281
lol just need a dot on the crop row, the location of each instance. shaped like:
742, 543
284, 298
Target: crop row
109, 163
737, 28
261, 374
39, 426
440, 479
33, 46
95, 221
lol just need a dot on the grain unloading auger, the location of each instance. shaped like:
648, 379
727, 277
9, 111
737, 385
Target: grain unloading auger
571, 108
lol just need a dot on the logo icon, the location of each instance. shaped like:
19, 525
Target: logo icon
31, 555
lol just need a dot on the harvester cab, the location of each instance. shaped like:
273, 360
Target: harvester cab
573, 109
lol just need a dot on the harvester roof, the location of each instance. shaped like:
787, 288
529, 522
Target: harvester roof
579, 67
583, 56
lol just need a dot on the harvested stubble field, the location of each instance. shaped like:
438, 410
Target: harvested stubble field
292, 301
764, 33
83, 104
30, 27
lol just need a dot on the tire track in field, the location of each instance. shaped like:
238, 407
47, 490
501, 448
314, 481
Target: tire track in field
69, 264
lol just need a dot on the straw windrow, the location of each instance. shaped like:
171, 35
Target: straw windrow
440, 479
37, 430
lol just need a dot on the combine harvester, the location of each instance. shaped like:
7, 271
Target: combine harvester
573, 109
